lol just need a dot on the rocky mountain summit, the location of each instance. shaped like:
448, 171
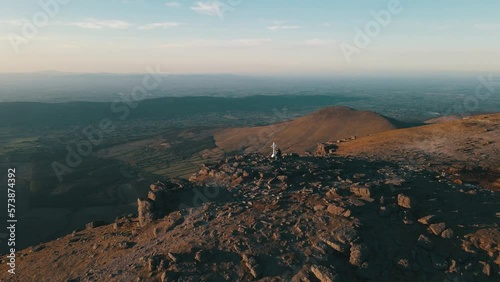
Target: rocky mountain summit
297, 218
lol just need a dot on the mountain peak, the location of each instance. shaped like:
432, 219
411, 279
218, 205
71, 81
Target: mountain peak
302, 134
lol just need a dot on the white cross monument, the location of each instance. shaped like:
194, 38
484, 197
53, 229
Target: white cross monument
274, 146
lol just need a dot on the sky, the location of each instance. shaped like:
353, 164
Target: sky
250, 36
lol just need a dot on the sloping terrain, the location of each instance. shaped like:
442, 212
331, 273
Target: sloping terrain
293, 219
156, 138
471, 143
401, 205
443, 119
304, 133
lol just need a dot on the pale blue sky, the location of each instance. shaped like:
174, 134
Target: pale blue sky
251, 36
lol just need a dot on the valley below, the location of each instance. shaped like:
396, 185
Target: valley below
415, 199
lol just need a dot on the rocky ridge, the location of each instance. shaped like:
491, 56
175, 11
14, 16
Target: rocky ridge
298, 218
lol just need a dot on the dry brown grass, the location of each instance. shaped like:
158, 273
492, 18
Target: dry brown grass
299, 135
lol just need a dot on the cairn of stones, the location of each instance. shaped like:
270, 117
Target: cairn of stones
155, 205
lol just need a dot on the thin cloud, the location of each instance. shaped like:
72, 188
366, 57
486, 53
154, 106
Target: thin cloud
281, 25
487, 26
159, 25
233, 43
100, 24
172, 4
248, 42
171, 45
208, 8
316, 42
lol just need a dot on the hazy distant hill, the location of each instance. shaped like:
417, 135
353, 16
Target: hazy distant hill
105, 87
406, 98
69, 113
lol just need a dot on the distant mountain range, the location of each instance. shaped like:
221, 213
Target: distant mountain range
33, 114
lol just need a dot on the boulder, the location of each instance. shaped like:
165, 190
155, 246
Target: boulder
334, 244
282, 178
361, 191
346, 235
302, 275
336, 210
145, 208
427, 219
159, 197
437, 228
333, 193
403, 264
405, 201
153, 263
124, 245
448, 233
318, 207
173, 257
359, 254
95, 224
252, 265
486, 268
324, 274
325, 149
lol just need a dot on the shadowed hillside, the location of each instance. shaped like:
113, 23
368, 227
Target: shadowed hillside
250, 218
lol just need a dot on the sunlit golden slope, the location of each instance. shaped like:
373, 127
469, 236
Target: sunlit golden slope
299, 135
